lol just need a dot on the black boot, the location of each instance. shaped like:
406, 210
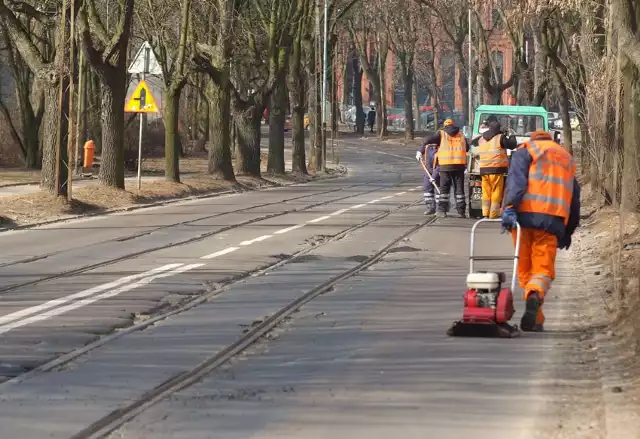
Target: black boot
528, 322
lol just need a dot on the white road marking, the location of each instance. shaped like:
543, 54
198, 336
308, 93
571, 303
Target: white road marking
88, 296
85, 302
258, 239
413, 189
289, 229
317, 220
226, 251
82, 294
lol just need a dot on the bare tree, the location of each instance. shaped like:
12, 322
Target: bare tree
106, 51
171, 44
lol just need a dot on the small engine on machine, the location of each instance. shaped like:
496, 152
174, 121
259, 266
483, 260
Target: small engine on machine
486, 301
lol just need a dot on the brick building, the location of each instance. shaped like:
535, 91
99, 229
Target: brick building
446, 72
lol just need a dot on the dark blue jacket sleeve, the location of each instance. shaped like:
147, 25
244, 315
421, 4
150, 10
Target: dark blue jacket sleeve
518, 178
574, 215
422, 148
433, 139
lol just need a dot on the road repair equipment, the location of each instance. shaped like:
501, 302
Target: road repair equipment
488, 306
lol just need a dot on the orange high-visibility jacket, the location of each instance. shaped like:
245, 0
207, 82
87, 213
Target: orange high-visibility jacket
551, 175
453, 150
492, 154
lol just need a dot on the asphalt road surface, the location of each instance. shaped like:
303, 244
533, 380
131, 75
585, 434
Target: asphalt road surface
310, 311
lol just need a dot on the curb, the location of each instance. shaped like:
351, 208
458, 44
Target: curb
341, 169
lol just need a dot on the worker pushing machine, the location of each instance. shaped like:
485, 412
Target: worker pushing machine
543, 196
452, 161
426, 156
494, 164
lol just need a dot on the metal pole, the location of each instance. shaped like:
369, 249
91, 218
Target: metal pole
144, 72
324, 87
470, 91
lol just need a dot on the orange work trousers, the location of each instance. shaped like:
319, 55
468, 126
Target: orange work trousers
492, 194
536, 263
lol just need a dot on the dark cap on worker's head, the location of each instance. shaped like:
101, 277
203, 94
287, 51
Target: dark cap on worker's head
492, 118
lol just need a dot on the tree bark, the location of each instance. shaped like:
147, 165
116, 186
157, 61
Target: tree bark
277, 108
112, 161
220, 164
297, 100
170, 115
564, 112
357, 96
248, 119
407, 73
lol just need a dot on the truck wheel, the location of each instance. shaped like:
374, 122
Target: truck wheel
475, 213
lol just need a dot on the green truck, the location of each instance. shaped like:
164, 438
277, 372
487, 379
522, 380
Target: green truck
520, 121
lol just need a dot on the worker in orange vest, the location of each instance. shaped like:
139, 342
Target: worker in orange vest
543, 196
494, 164
452, 161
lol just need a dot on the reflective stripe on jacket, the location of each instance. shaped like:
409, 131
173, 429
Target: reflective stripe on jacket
493, 157
453, 150
551, 177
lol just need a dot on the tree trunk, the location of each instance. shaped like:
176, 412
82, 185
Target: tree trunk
297, 101
631, 168
416, 108
220, 164
112, 160
49, 140
407, 73
564, 113
277, 108
170, 114
357, 97
248, 118
463, 85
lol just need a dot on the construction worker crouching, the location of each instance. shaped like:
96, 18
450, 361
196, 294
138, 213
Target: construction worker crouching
452, 160
543, 195
494, 164
426, 155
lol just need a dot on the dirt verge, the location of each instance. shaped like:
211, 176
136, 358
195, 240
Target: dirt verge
606, 249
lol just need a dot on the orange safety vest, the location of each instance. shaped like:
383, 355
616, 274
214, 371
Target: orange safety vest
492, 155
452, 151
551, 175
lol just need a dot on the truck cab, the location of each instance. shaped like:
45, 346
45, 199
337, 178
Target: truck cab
516, 120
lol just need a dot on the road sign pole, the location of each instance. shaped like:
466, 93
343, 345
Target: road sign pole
145, 70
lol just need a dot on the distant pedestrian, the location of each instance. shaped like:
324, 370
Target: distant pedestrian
371, 118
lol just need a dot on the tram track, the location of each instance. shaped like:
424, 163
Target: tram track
119, 417
183, 306
197, 238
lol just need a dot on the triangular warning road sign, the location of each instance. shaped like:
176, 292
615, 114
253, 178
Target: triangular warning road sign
141, 101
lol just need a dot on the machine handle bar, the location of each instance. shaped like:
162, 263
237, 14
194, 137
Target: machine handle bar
496, 258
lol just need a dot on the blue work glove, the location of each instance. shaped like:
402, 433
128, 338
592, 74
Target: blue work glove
565, 242
509, 218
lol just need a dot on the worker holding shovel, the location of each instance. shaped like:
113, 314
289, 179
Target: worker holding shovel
426, 157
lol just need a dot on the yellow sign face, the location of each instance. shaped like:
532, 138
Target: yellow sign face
141, 101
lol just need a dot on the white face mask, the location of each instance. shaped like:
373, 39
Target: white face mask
483, 130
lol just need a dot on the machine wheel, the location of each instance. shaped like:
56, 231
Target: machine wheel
475, 213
